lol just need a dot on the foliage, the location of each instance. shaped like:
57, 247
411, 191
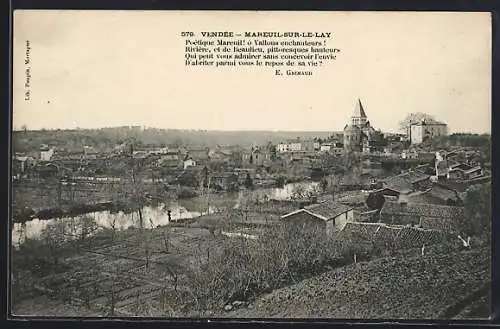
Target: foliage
478, 211
248, 181
244, 268
414, 118
300, 192
186, 192
375, 201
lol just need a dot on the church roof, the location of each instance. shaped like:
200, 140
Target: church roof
351, 127
359, 111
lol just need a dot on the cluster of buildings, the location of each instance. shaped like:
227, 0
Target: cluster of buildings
418, 207
359, 135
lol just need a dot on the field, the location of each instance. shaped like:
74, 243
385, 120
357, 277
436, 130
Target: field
195, 268
114, 276
413, 287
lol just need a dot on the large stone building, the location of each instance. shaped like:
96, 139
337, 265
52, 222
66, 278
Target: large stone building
358, 133
427, 129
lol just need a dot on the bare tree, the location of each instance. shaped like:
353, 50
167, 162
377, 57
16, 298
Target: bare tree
414, 118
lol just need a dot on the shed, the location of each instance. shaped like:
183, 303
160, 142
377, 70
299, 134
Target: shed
329, 215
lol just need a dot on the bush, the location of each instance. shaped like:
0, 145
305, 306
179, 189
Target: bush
186, 192
245, 268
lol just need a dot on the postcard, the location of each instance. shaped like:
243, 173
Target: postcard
251, 164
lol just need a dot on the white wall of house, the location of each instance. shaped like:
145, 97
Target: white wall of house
325, 147
46, 155
189, 163
330, 227
420, 131
282, 147
295, 146
341, 219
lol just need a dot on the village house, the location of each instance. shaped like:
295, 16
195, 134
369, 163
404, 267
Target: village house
393, 149
256, 156
199, 154
327, 216
45, 170
220, 154
188, 162
21, 164
242, 174
224, 181
171, 159
140, 155
290, 146
385, 191
193, 176
325, 147
436, 194
407, 182
390, 236
424, 130
409, 154
404, 213
310, 145
461, 186
46, 153
464, 172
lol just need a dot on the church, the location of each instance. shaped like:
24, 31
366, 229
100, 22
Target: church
359, 133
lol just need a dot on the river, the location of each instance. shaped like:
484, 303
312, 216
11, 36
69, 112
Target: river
155, 216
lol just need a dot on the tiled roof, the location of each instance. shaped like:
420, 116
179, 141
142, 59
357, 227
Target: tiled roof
397, 236
325, 210
328, 209
403, 182
461, 186
411, 237
440, 224
360, 230
442, 193
434, 195
224, 175
422, 209
387, 235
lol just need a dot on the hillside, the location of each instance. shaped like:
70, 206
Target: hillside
24, 141
412, 288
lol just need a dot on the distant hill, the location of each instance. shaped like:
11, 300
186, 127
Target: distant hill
106, 138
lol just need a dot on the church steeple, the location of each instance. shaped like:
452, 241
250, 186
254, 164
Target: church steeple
359, 111
359, 116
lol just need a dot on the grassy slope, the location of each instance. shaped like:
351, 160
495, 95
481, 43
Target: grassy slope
416, 287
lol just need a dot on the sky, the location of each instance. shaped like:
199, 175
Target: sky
93, 69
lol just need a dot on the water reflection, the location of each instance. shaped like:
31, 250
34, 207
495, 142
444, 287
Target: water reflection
72, 227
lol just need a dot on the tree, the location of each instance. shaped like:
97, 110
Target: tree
414, 118
478, 211
375, 201
324, 185
248, 181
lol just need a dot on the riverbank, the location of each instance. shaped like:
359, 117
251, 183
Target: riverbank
30, 203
